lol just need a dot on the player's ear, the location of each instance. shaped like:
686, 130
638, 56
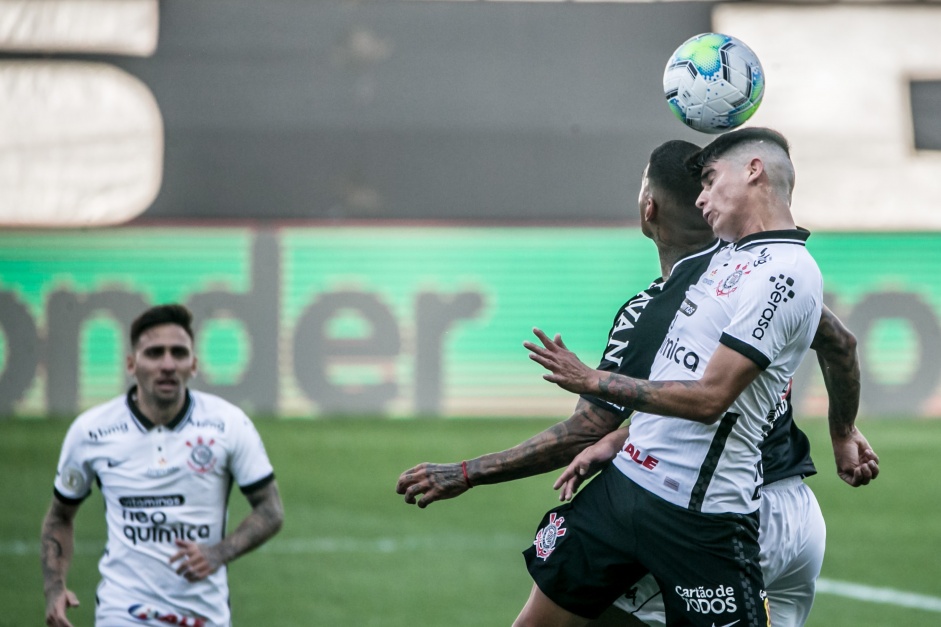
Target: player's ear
651, 210
129, 363
755, 169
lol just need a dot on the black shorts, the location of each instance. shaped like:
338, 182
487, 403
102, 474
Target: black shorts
592, 550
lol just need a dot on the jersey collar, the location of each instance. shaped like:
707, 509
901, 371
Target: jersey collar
145, 422
785, 236
709, 249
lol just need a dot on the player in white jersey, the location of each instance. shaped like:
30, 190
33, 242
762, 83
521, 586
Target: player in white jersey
666, 197
688, 480
165, 459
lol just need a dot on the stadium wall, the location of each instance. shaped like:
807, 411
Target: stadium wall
402, 321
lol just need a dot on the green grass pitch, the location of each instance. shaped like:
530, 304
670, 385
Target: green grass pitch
352, 553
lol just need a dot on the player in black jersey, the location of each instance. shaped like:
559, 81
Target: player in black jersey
685, 245
682, 497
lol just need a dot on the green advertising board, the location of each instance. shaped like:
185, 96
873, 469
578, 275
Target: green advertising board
403, 321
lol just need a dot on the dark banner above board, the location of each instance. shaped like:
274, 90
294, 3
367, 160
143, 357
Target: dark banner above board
486, 111
409, 110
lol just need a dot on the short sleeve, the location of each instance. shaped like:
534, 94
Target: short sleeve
771, 309
249, 463
74, 475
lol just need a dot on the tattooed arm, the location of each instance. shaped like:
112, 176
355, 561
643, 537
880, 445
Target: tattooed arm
856, 462
553, 448
705, 400
58, 542
267, 515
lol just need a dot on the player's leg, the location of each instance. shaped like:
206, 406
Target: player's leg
794, 533
616, 617
641, 605
541, 611
707, 565
582, 557
792, 537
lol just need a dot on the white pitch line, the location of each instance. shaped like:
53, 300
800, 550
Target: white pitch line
887, 596
478, 542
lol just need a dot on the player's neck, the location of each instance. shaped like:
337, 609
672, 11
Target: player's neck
764, 223
158, 413
762, 213
671, 253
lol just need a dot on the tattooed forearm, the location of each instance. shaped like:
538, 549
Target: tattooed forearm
262, 522
634, 393
549, 450
56, 546
51, 562
839, 363
843, 391
683, 399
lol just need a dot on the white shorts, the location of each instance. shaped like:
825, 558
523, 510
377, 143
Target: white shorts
136, 614
792, 537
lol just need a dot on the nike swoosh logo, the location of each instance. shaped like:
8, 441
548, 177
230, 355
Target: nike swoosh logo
112, 463
728, 624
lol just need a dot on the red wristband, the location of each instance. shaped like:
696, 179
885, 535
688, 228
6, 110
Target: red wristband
466, 478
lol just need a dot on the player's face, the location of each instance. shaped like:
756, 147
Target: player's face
162, 364
722, 198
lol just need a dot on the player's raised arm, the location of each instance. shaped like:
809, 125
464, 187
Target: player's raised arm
198, 561
57, 546
856, 463
705, 400
549, 450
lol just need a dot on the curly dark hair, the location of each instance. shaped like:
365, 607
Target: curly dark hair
668, 174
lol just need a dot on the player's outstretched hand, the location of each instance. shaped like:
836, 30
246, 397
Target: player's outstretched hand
589, 462
197, 560
856, 463
426, 483
565, 368
56, 607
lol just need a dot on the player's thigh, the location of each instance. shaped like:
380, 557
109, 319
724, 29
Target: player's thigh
583, 554
793, 540
616, 617
540, 610
641, 605
706, 564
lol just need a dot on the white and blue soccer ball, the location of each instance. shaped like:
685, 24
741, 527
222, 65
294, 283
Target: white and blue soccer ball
713, 83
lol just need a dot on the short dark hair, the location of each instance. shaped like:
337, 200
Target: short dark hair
727, 141
667, 172
162, 314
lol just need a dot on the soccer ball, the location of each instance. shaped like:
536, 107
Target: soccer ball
713, 83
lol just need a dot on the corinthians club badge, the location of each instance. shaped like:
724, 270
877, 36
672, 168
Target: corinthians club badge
730, 284
547, 536
202, 459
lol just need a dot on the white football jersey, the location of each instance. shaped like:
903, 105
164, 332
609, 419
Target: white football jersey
761, 297
160, 484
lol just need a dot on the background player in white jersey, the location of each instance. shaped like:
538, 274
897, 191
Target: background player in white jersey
165, 458
670, 219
